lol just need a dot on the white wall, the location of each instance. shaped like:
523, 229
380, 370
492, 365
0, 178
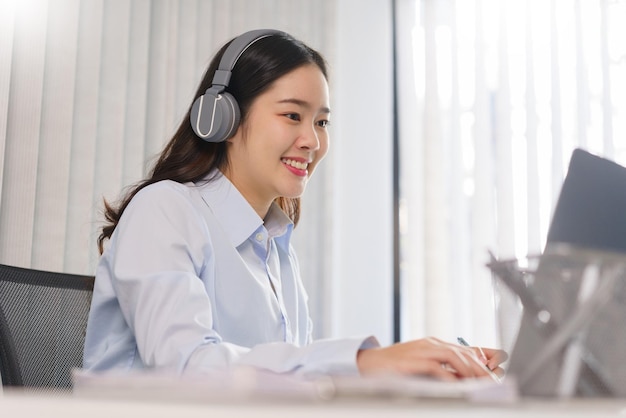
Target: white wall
361, 156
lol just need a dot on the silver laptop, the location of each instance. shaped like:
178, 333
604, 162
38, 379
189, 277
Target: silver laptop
572, 336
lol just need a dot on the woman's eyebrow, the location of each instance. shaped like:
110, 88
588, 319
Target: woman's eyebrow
304, 103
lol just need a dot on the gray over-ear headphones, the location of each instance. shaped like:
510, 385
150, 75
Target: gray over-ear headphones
215, 115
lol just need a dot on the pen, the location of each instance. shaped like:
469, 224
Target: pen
494, 376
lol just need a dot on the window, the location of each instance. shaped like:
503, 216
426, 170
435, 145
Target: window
494, 96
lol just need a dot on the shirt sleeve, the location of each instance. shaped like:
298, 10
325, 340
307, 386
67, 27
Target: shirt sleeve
161, 246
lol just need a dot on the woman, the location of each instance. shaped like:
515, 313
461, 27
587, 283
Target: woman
199, 273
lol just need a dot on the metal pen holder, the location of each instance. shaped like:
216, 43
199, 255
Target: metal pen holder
571, 340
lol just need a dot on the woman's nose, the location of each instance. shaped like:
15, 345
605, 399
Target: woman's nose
309, 138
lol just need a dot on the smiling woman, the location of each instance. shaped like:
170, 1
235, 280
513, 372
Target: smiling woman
90, 92
283, 139
199, 272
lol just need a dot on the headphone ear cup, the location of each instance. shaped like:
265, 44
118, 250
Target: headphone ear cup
230, 115
215, 116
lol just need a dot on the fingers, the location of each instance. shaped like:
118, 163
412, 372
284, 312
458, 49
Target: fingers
494, 357
499, 371
432, 357
490, 357
490, 360
484, 361
463, 360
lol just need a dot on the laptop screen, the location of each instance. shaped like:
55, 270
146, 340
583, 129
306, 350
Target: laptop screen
591, 208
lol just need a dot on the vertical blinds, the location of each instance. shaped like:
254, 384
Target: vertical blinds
90, 90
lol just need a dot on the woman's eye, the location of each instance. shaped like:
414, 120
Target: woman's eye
293, 116
323, 123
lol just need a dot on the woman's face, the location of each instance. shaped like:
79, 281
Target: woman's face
284, 137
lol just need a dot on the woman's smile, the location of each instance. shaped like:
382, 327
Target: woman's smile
297, 166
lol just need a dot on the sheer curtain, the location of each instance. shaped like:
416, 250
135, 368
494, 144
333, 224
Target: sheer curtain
494, 96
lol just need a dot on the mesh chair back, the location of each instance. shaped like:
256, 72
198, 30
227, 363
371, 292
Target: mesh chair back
43, 318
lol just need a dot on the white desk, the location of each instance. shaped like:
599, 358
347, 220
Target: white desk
19, 403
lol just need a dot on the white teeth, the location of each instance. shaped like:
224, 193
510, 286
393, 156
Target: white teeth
296, 164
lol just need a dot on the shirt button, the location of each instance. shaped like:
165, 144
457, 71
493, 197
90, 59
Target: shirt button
259, 236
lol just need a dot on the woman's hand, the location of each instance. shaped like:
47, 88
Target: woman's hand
431, 357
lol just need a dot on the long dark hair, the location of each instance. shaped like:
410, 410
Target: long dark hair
188, 158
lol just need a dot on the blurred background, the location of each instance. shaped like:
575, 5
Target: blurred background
452, 127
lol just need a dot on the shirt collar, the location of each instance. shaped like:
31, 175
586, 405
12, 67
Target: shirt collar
279, 226
236, 215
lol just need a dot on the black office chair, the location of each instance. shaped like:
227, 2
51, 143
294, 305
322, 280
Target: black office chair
43, 317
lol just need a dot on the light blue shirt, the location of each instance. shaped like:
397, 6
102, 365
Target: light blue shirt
194, 280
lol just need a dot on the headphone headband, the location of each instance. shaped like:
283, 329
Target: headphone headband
235, 49
215, 115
